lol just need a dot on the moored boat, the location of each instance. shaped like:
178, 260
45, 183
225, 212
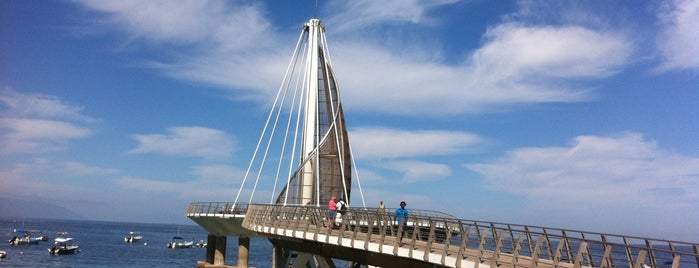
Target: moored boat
24, 240
27, 237
62, 246
179, 242
133, 237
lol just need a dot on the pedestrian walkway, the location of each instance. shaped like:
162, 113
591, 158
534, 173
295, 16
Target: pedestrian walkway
433, 239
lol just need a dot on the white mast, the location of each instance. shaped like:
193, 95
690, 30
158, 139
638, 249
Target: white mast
310, 142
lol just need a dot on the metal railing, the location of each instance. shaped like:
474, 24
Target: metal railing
209, 208
512, 245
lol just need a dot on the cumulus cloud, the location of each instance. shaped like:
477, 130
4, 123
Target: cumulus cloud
35, 123
207, 143
678, 42
625, 170
217, 42
234, 46
388, 143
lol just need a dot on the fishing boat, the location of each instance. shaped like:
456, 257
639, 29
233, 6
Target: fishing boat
132, 237
62, 247
179, 242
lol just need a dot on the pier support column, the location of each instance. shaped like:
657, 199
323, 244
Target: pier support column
216, 249
210, 248
243, 251
220, 254
280, 256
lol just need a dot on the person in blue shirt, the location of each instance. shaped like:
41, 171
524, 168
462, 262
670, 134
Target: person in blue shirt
402, 218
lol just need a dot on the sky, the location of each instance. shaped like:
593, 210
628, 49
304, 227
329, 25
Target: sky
570, 114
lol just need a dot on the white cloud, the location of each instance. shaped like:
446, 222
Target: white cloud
179, 22
387, 143
625, 171
35, 123
207, 143
224, 174
356, 15
516, 52
419, 171
23, 105
678, 42
182, 192
36, 135
38, 177
517, 64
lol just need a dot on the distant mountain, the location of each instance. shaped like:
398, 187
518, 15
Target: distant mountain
20, 208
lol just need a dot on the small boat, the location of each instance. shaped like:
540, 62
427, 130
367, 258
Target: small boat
179, 242
3, 254
61, 246
24, 240
133, 237
201, 244
27, 238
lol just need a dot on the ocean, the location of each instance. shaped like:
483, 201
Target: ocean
102, 245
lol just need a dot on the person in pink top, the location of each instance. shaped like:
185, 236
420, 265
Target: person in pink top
332, 208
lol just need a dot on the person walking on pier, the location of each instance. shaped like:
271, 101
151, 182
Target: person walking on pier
402, 219
382, 207
341, 208
332, 209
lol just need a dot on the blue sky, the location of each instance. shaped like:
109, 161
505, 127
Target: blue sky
571, 114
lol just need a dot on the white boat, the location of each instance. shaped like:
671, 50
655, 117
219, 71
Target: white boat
3, 254
133, 237
27, 237
62, 247
24, 240
179, 242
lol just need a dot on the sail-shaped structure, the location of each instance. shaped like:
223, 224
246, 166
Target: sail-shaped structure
304, 149
308, 124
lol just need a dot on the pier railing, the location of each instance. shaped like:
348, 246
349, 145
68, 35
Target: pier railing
512, 245
211, 208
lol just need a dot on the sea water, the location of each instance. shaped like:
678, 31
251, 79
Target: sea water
102, 245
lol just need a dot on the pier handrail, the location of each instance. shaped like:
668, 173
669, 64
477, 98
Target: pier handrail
208, 208
497, 243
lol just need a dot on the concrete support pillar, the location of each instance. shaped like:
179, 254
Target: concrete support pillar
210, 248
280, 256
220, 253
243, 251
216, 249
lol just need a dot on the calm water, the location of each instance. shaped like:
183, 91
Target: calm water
102, 245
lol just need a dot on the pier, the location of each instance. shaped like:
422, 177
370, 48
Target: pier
431, 239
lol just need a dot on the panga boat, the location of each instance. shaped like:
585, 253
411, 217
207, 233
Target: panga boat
27, 237
61, 246
24, 240
133, 237
179, 242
